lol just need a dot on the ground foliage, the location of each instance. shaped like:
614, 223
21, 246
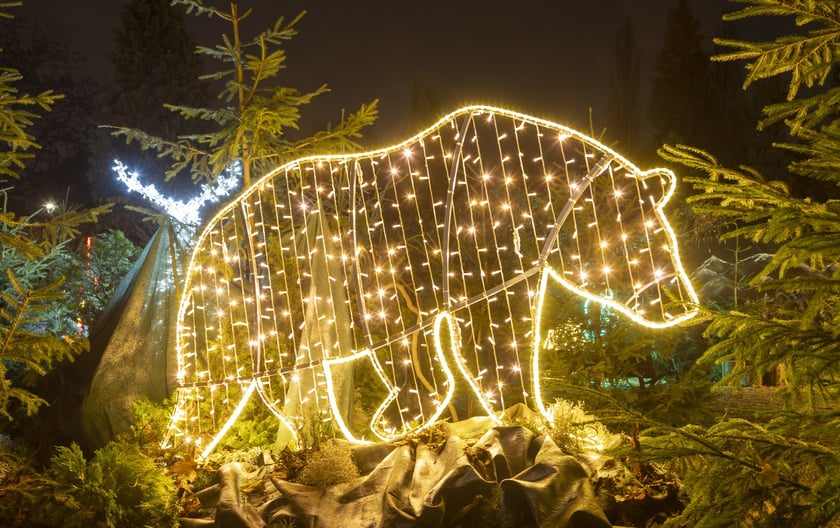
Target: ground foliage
117, 486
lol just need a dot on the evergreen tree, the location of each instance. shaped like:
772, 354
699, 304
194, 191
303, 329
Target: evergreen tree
599, 356
624, 90
256, 124
425, 106
154, 63
29, 246
782, 468
44, 59
682, 97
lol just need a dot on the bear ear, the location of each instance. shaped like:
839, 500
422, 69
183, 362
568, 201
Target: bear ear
660, 185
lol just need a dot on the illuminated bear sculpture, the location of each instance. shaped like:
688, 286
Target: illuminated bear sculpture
426, 263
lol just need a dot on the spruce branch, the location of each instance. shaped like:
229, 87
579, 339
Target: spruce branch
808, 57
20, 309
803, 113
256, 118
662, 441
184, 154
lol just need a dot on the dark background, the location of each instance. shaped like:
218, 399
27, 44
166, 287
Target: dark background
550, 59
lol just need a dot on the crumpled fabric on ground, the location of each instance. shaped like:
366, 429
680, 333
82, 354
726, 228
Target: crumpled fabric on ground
527, 481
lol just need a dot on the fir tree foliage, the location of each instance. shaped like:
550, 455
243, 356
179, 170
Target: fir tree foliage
5, 5
425, 106
154, 61
29, 246
800, 311
22, 350
37, 313
17, 113
258, 119
780, 468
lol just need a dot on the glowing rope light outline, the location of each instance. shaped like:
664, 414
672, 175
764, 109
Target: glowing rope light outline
547, 272
230, 421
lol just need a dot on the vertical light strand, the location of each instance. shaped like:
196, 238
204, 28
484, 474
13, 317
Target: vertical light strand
466, 268
646, 226
391, 250
377, 239
266, 296
535, 216
470, 163
525, 243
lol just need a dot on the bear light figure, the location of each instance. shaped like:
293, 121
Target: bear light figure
424, 265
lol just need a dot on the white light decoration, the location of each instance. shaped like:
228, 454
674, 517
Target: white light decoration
184, 212
428, 261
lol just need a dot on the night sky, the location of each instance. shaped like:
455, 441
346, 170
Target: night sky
550, 59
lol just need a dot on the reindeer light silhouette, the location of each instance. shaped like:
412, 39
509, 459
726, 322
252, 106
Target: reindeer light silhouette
426, 263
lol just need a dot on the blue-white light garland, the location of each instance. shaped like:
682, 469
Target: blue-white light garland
184, 212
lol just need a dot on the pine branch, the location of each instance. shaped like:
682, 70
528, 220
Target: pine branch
759, 344
768, 212
804, 11
736, 472
185, 155
805, 113
256, 118
21, 308
14, 242
800, 285
15, 118
197, 7
221, 116
661, 441
820, 152
818, 250
809, 57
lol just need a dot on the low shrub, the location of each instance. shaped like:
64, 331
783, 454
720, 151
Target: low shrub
331, 464
119, 486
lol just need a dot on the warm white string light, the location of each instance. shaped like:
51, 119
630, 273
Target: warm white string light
185, 212
428, 261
